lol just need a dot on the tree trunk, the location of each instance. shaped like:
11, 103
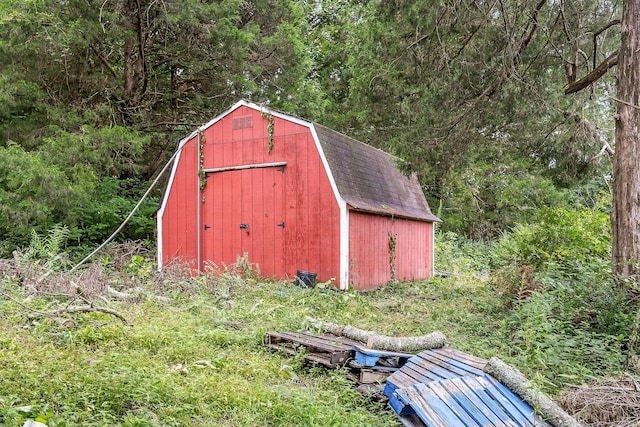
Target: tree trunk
135, 77
625, 214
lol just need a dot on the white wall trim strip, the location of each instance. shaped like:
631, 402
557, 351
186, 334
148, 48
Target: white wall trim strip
243, 167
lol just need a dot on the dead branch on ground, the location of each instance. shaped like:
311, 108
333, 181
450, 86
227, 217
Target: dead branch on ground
608, 402
380, 342
80, 309
518, 383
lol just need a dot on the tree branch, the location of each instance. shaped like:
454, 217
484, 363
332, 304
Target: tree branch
594, 75
83, 309
380, 342
597, 33
533, 21
104, 61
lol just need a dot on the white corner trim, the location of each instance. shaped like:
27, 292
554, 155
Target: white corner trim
198, 207
344, 245
159, 238
344, 214
433, 249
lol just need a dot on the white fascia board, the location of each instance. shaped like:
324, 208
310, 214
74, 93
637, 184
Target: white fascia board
344, 245
433, 249
216, 119
344, 214
159, 244
267, 110
165, 197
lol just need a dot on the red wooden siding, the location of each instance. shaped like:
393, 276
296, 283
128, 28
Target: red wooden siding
276, 183
369, 249
300, 196
179, 222
253, 197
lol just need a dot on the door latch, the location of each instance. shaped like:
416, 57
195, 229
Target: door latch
244, 226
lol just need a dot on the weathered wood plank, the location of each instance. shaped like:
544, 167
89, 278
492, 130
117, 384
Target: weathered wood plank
457, 368
458, 359
509, 402
370, 357
328, 350
370, 376
411, 421
427, 398
482, 400
422, 409
420, 374
430, 369
438, 388
327, 342
461, 356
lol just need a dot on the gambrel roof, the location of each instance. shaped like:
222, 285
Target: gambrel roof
369, 179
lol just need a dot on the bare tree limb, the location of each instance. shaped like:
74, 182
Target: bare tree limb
517, 382
83, 309
69, 309
597, 33
606, 148
594, 75
104, 61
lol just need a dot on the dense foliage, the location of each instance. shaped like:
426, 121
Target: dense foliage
95, 96
191, 351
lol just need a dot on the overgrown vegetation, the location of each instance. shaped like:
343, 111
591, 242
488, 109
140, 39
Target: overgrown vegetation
189, 351
95, 95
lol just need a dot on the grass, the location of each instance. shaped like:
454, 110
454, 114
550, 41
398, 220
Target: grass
197, 359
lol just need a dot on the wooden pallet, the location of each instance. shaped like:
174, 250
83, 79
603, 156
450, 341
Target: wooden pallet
374, 366
327, 350
366, 366
431, 365
468, 402
448, 388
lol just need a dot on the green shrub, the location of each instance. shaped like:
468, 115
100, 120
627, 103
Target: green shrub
457, 254
568, 237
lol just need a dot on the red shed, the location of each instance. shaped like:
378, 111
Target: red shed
293, 195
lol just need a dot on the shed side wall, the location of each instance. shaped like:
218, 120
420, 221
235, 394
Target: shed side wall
370, 249
180, 217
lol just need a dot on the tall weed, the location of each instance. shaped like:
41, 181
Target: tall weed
567, 237
562, 309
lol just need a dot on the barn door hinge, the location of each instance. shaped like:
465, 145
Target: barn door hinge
281, 169
206, 227
244, 226
281, 224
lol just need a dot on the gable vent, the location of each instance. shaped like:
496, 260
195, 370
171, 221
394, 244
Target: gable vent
242, 122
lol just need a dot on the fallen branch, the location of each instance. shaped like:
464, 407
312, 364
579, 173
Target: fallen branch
380, 342
126, 296
119, 295
518, 383
594, 75
81, 309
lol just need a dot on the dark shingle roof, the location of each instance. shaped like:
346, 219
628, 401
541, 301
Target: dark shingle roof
369, 179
